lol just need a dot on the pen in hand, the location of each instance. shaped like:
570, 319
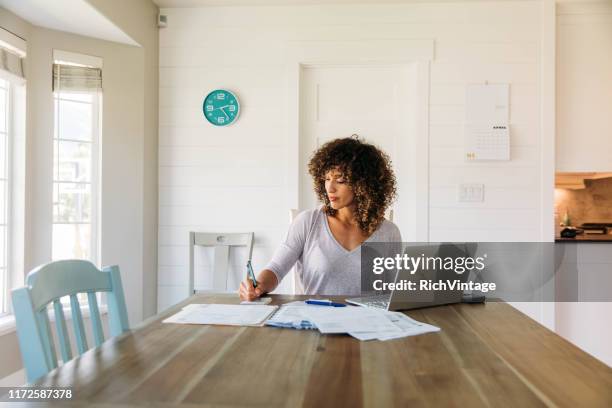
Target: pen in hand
251, 274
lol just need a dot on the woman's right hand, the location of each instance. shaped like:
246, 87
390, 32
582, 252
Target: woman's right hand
248, 292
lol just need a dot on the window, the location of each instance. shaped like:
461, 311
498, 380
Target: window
12, 165
5, 188
75, 175
77, 94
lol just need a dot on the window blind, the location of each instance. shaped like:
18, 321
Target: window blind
11, 62
73, 78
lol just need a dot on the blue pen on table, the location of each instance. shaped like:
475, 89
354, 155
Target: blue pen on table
251, 273
324, 303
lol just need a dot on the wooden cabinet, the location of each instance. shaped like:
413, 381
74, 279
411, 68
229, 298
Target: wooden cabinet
584, 87
576, 181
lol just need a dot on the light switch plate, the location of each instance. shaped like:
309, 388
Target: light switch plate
471, 193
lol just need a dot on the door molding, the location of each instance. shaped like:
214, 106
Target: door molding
416, 55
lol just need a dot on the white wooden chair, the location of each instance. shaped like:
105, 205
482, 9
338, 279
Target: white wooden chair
298, 288
389, 214
221, 243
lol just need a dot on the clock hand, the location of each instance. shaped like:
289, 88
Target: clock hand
224, 112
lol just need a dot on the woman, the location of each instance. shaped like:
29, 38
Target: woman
356, 184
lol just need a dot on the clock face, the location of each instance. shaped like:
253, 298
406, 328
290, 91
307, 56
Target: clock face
221, 107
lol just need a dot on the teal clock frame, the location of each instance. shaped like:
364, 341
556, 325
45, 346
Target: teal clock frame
221, 113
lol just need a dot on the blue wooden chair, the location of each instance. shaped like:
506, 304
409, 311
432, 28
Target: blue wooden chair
47, 284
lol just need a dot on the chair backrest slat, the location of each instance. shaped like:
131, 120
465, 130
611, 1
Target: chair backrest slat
77, 324
298, 287
94, 315
62, 333
47, 339
220, 268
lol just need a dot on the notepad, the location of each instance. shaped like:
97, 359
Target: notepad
231, 315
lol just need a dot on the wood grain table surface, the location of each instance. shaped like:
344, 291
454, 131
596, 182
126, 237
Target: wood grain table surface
485, 355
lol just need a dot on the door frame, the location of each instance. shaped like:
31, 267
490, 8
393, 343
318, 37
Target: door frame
415, 55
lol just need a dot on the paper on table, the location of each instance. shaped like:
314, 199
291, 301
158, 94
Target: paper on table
233, 315
409, 327
291, 315
378, 334
260, 301
364, 336
405, 327
349, 319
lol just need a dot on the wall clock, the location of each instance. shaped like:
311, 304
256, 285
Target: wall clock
221, 107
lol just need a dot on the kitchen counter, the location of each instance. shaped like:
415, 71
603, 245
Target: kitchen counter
586, 238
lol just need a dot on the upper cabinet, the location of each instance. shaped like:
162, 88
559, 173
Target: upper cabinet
577, 181
584, 87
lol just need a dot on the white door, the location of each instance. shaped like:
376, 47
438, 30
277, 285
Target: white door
373, 101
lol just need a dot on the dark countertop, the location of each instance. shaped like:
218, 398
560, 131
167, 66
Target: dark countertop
587, 238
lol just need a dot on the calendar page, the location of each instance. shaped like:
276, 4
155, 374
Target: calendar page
487, 129
487, 142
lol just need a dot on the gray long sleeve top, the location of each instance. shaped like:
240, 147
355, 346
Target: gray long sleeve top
323, 265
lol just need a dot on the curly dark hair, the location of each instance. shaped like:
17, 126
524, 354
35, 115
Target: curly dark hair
368, 173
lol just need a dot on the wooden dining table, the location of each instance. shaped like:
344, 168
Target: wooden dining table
484, 355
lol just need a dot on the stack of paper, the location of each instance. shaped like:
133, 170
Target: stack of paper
348, 319
291, 315
360, 322
233, 315
366, 324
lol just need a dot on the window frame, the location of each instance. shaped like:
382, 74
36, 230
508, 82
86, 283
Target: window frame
95, 179
6, 283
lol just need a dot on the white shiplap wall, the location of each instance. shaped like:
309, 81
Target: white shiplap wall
233, 179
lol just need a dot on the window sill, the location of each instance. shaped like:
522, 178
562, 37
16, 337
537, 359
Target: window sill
7, 322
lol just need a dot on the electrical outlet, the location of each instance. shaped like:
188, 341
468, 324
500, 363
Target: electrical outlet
471, 193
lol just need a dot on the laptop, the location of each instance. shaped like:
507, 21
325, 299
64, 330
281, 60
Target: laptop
415, 299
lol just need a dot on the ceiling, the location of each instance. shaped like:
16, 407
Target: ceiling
73, 16
201, 3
